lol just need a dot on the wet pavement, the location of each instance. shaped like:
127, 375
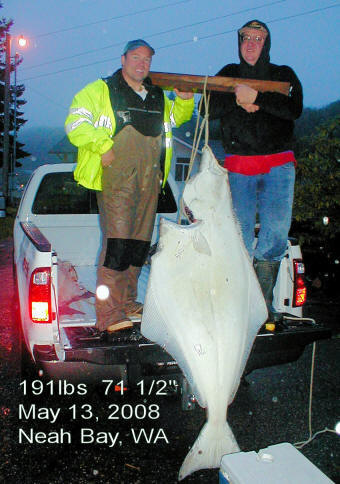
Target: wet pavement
153, 434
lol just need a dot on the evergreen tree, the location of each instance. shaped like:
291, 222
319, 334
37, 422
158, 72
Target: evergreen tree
317, 184
15, 97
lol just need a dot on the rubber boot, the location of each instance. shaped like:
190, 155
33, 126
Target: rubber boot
267, 274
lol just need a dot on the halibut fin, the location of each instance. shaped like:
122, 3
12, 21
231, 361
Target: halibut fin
211, 444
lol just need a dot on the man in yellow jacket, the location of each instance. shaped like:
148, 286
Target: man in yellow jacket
122, 128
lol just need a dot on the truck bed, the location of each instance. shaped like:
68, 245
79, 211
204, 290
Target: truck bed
83, 342
81, 311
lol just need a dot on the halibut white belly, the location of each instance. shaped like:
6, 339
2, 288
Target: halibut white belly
204, 306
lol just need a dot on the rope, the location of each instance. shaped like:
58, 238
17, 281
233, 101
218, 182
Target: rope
205, 123
197, 138
300, 445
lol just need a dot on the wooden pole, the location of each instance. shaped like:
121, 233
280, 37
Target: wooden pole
185, 82
5, 153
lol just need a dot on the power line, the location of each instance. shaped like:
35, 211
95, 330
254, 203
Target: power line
235, 30
118, 17
158, 33
53, 101
185, 42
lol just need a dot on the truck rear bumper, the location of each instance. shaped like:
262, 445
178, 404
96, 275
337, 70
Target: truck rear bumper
284, 345
91, 359
94, 361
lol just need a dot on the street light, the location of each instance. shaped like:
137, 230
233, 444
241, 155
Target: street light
5, 156
22, 41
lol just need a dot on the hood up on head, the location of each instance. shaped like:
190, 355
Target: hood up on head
261, 68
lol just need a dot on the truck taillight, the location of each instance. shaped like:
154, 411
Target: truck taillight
40, 295
300, 290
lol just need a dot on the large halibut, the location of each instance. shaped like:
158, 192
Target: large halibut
204, 306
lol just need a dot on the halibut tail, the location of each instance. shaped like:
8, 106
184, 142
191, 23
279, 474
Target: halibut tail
211, 444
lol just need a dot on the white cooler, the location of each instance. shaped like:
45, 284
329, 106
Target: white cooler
277, 464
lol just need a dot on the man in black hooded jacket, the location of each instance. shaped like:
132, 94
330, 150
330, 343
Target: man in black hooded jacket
257, 135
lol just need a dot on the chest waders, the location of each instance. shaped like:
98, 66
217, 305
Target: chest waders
127, 206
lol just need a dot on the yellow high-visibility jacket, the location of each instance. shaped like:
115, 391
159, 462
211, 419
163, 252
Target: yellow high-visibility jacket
90, 125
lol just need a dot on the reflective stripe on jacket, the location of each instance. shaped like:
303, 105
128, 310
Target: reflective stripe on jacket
90, 125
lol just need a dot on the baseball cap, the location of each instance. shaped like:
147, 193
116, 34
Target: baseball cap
254, 24
134, 44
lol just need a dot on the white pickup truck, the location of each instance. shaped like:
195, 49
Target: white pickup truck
56, 246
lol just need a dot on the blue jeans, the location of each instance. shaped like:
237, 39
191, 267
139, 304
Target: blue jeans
271, 196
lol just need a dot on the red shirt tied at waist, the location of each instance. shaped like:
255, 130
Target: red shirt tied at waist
257, 164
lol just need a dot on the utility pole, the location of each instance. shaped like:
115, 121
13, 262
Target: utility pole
5, 154
14, 156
